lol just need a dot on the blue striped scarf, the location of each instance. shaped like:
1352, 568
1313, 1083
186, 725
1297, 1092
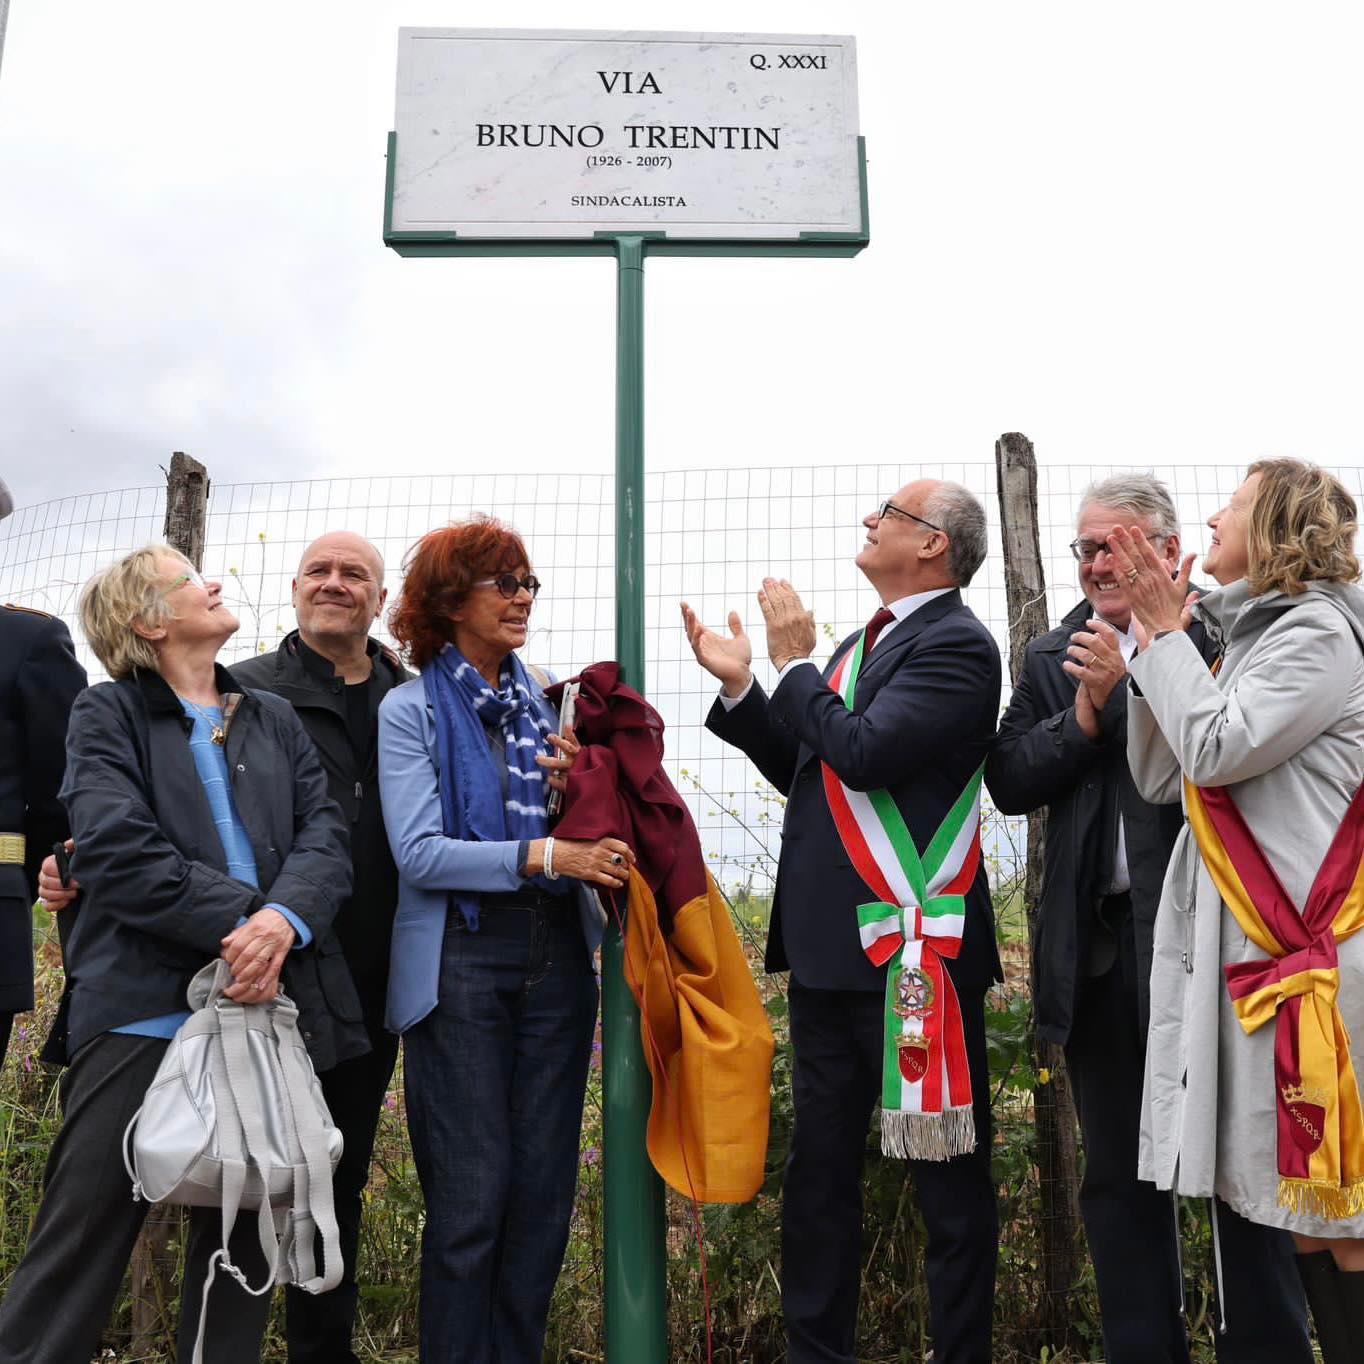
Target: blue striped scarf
463, 707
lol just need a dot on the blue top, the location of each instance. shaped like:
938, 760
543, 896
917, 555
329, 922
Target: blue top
210, 760
431, 864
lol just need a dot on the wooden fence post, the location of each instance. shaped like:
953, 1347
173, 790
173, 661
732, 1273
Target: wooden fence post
1053, 1103
157, 1253
187, 507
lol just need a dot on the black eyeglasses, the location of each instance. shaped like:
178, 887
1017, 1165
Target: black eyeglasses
508, 584
889, 506
1085, 550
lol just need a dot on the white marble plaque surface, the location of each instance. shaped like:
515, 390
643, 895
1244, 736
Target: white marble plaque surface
534, 133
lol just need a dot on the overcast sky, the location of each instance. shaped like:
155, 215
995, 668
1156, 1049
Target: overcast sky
1132, 232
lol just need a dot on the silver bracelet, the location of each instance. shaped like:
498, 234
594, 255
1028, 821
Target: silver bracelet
548, 869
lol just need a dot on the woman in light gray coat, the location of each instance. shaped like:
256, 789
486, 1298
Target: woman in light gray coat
1251, 1097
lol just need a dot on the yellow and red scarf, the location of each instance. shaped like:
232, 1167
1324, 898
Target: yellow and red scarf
1320, 1121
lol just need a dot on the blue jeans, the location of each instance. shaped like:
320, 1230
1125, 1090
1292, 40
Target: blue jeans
494, 1079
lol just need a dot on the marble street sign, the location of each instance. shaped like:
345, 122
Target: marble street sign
559, 135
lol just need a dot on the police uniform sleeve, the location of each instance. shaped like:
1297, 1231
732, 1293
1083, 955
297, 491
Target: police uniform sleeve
50, 679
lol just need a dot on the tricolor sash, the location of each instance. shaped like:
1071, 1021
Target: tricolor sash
915, 921
1317, 1106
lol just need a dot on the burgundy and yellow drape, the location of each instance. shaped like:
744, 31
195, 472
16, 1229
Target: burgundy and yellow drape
1317, 1104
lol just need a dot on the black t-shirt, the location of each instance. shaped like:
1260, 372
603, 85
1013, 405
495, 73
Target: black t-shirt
362, 704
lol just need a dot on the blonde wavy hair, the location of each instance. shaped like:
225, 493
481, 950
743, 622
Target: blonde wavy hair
1301, 529
130, 591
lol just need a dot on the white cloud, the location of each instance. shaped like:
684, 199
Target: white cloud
1131, 233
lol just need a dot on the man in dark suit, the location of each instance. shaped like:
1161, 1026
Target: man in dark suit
1063, 744
921, 719
39, 680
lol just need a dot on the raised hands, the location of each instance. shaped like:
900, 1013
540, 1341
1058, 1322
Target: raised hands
1158, 601
790, 627
1097, 664
729, 661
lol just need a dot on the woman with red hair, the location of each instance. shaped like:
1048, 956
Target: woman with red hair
491, 982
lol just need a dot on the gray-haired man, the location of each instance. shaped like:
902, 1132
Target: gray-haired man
1063, 744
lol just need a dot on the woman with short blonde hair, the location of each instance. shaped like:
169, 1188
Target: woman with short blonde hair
1257, 987
202, 829
130, 590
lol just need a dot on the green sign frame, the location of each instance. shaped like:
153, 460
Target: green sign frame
635, 1279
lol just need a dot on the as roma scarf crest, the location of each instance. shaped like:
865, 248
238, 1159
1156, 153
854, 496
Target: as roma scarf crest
913, 924
1317, 1106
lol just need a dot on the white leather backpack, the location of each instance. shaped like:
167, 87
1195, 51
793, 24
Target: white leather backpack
234, 1118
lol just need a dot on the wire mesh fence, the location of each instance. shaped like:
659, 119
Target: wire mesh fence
711, 535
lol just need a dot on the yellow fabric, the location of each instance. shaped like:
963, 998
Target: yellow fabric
707, 1043
1224, 874
1334, 1187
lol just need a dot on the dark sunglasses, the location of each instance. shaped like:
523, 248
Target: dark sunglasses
508, 584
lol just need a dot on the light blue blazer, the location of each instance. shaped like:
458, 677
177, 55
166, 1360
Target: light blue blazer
429, 863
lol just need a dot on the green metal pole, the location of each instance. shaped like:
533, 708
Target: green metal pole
636, 1304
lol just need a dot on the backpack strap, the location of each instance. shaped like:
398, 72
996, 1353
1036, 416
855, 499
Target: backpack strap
241, 1125
314, 1210
245, 1097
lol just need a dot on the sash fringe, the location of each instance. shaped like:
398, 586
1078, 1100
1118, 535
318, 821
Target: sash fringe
928, 1136
1335, 1202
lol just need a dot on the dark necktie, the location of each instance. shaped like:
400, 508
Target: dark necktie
874, 627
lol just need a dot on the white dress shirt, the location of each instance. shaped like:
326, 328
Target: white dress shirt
1122, 879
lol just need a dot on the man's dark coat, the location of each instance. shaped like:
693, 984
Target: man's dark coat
156, 898
39, 680
923, 717
921, 724
1043, 758
309, 683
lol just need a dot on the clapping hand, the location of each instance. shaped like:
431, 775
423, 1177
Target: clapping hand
790, 627
729, 661
1159, 602
1097, 664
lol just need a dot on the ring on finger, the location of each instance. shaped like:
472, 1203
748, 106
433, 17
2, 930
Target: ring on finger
617, 860
1132, 575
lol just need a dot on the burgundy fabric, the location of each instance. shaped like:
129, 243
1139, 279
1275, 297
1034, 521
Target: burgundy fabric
618, 789
875, 625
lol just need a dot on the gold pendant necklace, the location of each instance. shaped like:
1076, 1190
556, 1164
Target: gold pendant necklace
216, 733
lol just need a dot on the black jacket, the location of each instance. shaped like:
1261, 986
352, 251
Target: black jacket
923, 718
39, 679
156, 899
1042, 757
309, 683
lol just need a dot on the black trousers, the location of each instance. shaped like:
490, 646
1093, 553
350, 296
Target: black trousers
319, 1326
64, 1288
837, 1037
1130, 1224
